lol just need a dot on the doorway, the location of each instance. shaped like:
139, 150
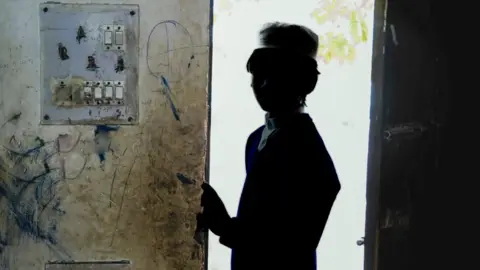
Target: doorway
339, 106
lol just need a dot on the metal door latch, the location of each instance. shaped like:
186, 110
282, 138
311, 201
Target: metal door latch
361, 242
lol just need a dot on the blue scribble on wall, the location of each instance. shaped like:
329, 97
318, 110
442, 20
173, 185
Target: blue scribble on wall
184, 179
104, 129
168, 94
28, 199
103, 140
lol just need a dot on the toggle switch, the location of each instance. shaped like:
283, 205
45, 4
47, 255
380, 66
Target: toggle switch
87, 92
119, 92
98, 93
109, 92
108, 38
119, 38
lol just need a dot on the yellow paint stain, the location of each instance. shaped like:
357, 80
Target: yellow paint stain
224, 5
358, 28
320, 16
335, 46
364, 27
329, 10
340, 46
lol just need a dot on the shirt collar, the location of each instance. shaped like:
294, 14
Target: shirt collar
272, 123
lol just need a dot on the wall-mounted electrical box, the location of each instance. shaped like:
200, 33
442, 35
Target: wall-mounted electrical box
89, 56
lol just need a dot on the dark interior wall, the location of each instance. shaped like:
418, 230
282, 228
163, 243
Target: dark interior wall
410, 146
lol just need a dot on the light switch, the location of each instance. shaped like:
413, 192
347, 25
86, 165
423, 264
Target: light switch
119, 37
98, 92
108, 38
87, 92
109, 92
119, 92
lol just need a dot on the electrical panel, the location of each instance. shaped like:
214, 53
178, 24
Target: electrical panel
89, 64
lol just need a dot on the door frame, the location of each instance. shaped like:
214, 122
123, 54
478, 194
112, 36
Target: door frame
375, 136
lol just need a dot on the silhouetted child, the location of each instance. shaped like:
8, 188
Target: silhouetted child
291, 181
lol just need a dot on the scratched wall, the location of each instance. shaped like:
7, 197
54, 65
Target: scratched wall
87, 193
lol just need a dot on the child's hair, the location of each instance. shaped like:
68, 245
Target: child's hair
296, 39
290, 36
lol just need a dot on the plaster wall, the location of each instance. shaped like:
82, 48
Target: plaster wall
139, 204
